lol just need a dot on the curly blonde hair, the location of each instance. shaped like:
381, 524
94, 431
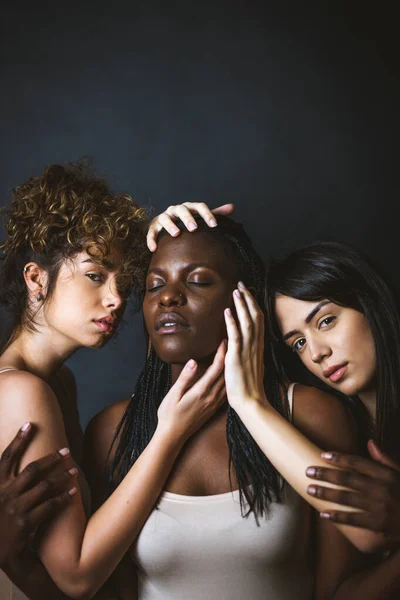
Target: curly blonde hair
56, 215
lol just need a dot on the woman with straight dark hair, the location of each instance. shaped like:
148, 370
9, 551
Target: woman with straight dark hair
360, 361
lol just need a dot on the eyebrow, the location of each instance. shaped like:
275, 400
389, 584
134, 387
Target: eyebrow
104, 263
308, 318
188, 267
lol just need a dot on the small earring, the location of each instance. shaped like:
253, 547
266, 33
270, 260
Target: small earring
39, 297
25, 269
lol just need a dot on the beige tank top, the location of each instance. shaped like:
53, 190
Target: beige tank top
200, 547
8, 591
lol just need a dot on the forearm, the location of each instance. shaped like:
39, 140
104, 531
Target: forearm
30, 576
291, 453
113, 528
380, 581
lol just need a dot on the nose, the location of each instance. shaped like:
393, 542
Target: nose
318, 349
172, 295
113, 298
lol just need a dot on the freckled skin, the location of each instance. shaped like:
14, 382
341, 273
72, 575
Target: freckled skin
176, 282
335, 335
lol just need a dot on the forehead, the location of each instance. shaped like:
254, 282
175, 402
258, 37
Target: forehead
197, 247
291, 313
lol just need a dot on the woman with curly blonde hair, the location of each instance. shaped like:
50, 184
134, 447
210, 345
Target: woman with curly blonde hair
72, 254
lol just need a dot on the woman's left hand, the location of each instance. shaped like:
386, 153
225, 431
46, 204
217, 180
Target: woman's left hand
244, 361
374, 488
184, 212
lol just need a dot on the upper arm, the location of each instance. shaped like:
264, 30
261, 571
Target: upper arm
326, 421
24, 397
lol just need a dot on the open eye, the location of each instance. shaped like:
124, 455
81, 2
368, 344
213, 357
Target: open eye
326, 321
298, 345
96, 277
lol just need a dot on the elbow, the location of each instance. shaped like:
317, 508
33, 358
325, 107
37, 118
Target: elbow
369, 542
79, 588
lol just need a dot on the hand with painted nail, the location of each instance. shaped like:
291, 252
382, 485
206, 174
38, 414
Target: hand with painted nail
190, 403
373, 487
29, 498
184, 212
244, 362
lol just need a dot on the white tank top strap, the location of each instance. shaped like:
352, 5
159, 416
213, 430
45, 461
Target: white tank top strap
290, 393
8, 369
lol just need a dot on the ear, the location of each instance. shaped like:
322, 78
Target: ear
36, 281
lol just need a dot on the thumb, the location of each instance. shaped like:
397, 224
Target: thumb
381, 457
186, 378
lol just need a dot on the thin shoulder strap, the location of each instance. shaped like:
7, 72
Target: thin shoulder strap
290, 394
8, 369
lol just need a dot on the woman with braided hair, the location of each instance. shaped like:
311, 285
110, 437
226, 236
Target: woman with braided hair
225, 526
72, 254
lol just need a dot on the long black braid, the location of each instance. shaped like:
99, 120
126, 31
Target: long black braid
259, 482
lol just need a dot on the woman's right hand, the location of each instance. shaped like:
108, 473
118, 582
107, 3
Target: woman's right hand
188, 405
28, 499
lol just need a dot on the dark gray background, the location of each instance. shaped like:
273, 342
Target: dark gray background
290, 112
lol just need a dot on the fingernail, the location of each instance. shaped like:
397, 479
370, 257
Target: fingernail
212, 223
72, 491
73, 471
325, 515
311, 471
228, 312
327, 455
312, 490
25, 426
241, 285
174, 230
237, 293
191, 364
192, 225
64, 451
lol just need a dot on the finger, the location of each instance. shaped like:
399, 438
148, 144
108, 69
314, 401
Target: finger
379, 456
47, 488
234, 338
243, 315
357, 463
257, 317
163, 221
205, 383
12, 454
202, 210
349, 479
353, 499
357, 519
185, 378
225, 209
37, 469
50, 507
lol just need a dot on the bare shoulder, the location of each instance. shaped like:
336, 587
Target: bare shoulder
101, 428
26, 397
98, 439
324, 419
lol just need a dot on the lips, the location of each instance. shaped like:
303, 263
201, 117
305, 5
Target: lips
168, 323
336, 372
107, 324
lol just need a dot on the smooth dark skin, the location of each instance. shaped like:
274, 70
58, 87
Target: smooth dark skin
29, 498
202, 468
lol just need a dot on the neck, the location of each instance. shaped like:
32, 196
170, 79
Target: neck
368, 398
40, 352
202, 366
